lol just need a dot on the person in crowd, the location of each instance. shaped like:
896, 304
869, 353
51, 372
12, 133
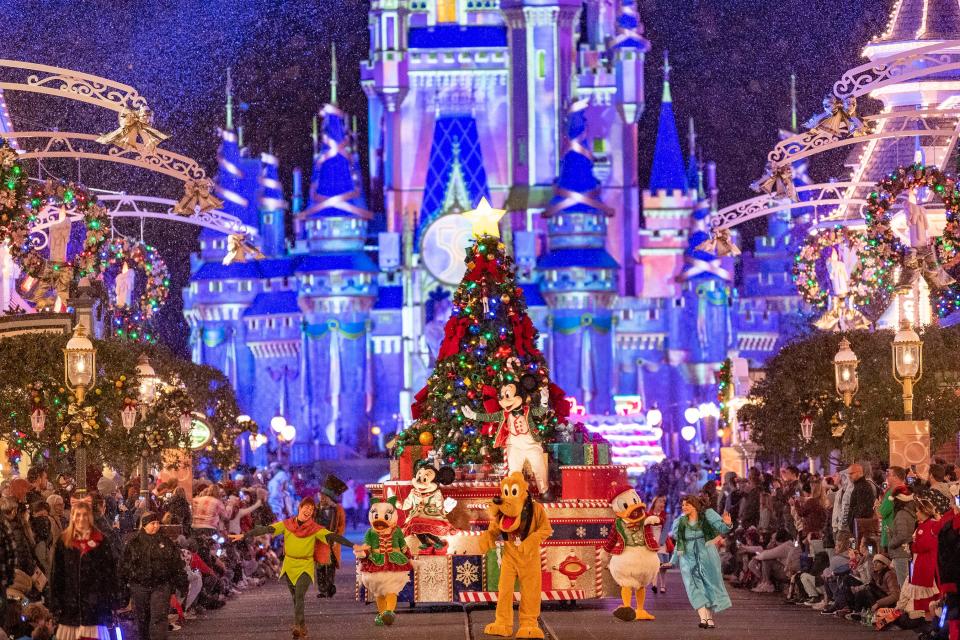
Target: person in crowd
8, 564
179, 507
840, 587
899, 524
698, 533
130, 510
658, 508
948, 564
277, 489
153, 569
789, 489
883, 590
862, 497
300, 537
809, 510
39, 489
750, 502
711, 497
83, 578
209, 513
841, 507
922, 588
57, 511
42, 535
331, 516
105, 526
107, 489
771, 563
40, 620
731, 496
21, 535
895, 483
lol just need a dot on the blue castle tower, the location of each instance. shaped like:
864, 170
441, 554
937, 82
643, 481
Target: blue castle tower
578, 275
337, 327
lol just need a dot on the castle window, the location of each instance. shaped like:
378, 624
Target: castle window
268, 285
246, 285
254, 324
653, 314
194, 287
541, 64
748, 315
288, 322
215, 287
268, 218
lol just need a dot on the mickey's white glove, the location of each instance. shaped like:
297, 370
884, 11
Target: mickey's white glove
449, 504
468, 413
651, 520
544, 395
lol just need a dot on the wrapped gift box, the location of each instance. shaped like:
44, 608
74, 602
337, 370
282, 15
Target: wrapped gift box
409, 457
567, 452
596, 453
591, 482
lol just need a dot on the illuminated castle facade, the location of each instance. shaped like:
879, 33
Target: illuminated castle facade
512, 100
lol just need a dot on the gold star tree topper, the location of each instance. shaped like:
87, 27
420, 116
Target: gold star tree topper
485, 219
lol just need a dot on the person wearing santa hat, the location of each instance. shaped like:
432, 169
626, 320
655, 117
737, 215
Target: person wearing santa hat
632, 551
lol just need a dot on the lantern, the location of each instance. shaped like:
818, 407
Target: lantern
845, 372
806, 429
149, 380
186, 422
80, 363
128, 417
38, 420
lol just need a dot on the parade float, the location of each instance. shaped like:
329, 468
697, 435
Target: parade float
489, 408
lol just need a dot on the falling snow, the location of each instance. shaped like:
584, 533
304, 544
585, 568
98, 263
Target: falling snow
731, 64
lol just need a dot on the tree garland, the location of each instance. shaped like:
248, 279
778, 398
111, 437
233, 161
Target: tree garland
134, 321
13, 184
880, 204
42, 273
870, 284
725, 391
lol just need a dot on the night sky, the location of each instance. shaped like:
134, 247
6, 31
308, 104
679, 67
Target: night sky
731, 62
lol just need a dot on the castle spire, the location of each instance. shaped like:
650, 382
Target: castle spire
666, 77
229, 101
668, 173
333, 73
793, 102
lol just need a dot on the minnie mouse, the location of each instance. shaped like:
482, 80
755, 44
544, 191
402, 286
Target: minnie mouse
426, 508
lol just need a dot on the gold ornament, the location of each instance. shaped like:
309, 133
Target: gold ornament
777, 181
505, 299
425, 438
239, 248
7, 157
197, 196
136, 132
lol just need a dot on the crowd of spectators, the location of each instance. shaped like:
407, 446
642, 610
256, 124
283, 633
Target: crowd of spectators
871, 545
74, 565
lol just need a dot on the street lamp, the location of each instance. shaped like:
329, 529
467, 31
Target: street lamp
149, 381
128, 417
80, 363
806, 432
80, 373
907, 363
38, 420
845, 370
278, 422
654, 417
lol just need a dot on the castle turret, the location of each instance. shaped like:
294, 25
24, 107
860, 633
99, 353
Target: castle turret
337, 291
668, 202
578, 275
273, 208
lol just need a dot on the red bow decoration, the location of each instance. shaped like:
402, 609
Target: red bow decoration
523, 336
419, 403
483, 265
453, 333
558, 402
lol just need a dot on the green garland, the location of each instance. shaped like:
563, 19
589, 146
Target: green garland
725, 391
880, 205
13, 184
872, 281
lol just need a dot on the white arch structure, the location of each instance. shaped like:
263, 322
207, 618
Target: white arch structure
74, 85
900, 67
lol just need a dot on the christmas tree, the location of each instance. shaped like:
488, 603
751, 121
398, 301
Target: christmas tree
489, 341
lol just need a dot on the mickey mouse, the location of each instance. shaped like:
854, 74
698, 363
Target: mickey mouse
427, 509
518, 438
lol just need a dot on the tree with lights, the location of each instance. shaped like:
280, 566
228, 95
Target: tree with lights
488, 353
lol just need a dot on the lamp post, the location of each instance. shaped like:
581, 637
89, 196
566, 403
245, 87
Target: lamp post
845, 372
907, 363
80, 374
806, 432
149, 381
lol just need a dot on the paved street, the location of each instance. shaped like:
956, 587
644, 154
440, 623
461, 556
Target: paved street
266, 613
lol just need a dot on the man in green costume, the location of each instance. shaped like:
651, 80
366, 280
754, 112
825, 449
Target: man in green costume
300, 537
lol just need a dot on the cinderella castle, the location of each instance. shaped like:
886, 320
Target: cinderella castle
533, 105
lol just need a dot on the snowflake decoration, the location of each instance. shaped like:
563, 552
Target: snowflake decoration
581, 532
432, 574
468, 573
604, 531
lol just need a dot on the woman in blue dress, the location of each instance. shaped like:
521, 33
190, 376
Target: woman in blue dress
697, 535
